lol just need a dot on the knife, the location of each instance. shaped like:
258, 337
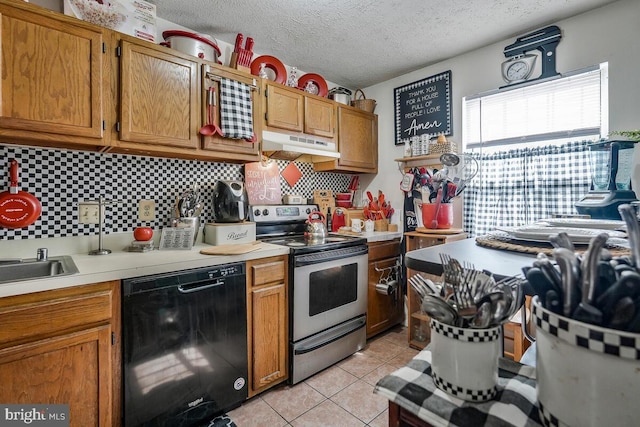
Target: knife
249, 51
238, 44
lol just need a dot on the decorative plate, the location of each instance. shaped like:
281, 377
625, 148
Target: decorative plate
272, 63
317, 83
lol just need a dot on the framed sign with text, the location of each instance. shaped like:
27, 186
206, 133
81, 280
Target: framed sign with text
423, 107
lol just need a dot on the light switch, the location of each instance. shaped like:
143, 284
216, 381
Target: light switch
146, 210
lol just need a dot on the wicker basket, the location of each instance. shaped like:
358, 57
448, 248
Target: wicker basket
365, 104
443, 146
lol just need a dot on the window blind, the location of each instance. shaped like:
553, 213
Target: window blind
572, 106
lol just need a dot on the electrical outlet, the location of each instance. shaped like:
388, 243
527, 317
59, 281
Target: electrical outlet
146, 210
88, 213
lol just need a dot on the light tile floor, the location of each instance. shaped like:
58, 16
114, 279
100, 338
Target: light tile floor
339, 396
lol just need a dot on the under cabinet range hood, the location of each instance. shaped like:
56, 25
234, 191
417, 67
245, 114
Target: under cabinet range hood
283, 146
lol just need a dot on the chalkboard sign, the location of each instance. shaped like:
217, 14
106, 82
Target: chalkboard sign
423, 107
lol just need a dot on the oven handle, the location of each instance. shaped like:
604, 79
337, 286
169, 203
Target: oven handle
330, 255
358, 324
193, 287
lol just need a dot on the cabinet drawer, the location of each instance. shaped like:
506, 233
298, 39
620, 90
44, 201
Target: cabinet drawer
381, 250
36, 316
268, 272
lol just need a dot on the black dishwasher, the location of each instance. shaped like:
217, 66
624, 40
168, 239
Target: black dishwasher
184, 348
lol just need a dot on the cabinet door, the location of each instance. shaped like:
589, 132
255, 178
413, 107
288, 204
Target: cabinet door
357, 139
285, 108
267, 317
230, 148
53, 78
56, 347
158, 96
269, 335
357, 143
319, 117
73, 369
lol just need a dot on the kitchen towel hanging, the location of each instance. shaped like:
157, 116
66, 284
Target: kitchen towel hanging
236, 112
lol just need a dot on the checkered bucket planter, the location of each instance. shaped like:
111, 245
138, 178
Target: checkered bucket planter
587, 375
464, 361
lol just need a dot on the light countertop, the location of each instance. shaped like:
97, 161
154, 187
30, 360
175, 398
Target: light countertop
121, 264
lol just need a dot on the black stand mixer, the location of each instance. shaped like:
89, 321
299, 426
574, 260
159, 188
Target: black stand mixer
611, 167
520, 65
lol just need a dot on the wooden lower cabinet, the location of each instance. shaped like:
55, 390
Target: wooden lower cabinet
383, 311
267, 320
418, 325
59, 347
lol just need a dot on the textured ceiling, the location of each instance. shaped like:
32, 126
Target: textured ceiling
358, 43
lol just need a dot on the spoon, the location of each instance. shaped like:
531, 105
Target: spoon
623, 313
439, 309
568, 264
483, 316
434, 222
586, 312
211, 128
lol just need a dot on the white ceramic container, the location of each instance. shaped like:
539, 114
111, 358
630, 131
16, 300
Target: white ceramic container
199, 45
464, 362
229, 233
587, 375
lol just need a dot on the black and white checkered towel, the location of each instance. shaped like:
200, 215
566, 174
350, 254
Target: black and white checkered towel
236, 111
515, 404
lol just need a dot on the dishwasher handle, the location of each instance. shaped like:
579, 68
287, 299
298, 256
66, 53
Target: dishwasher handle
199, 286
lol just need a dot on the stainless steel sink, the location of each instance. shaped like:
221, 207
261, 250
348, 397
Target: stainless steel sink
30, 269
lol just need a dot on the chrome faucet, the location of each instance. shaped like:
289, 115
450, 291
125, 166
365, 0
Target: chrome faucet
42, 254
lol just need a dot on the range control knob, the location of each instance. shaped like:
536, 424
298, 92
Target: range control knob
256, 212
308, 211
265, 212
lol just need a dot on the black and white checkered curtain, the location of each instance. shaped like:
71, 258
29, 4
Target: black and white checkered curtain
517, 187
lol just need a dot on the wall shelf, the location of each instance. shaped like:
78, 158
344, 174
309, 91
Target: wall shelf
419, 158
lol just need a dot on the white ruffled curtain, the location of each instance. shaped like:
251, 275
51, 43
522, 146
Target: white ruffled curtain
520, 186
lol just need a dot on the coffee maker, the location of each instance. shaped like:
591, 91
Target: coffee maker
611, 167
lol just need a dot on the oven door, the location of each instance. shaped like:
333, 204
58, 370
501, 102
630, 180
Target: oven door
329, 287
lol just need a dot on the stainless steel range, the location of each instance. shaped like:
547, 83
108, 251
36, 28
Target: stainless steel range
327, 289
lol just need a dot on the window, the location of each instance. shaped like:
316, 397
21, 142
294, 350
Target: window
532, 145
566, 109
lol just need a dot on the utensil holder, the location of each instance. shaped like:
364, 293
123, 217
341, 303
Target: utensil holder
445, 215
587, 375
380, 224
464, 362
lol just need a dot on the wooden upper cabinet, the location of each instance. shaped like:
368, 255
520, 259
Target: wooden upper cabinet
357, 143
228, 148
159, 96
291, 109
319, 117
53, 78
284, 108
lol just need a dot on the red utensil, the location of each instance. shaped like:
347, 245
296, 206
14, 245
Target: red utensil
18, 209
434, 223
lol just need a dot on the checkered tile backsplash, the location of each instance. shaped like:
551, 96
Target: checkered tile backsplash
62, 178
